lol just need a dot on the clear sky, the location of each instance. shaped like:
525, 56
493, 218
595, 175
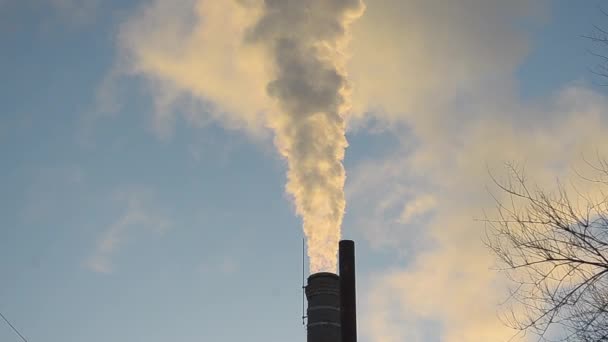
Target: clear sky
142, 198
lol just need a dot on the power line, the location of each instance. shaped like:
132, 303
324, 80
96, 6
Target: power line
12, 327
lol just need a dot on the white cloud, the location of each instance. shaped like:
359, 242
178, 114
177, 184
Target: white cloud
192, 53
421, 205
455, 273
445, 70
137, 215
414, 59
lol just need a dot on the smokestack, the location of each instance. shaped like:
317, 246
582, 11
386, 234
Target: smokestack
323, 294
332, 301
348, 296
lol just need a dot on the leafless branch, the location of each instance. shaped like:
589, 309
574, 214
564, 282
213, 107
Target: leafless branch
554, 247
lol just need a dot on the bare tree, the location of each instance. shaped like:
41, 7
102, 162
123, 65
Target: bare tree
599, 50
554, 247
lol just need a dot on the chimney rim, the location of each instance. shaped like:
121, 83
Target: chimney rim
323, 275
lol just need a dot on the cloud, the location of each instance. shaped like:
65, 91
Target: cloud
446, 72
409, 59
193, 52
258, 66
443, 72
421, 205
453, 273
415, 60
137, 215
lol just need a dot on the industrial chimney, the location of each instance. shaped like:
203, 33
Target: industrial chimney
332, 301
323, 294
348, 295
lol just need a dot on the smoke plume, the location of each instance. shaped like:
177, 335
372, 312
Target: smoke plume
305, 40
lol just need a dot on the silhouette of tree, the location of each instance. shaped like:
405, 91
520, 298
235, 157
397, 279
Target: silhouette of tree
599, 38
553, 246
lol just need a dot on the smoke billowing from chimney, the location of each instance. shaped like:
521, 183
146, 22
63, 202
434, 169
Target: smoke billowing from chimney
305, 40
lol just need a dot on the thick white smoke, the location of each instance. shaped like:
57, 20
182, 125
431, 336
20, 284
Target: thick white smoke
305, 40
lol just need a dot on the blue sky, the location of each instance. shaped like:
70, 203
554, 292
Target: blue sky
112, 230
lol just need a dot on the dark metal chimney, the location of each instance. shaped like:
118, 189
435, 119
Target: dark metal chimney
348, 296
323, 294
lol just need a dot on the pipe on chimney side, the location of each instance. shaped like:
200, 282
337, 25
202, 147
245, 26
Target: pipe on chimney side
323, 295
348, 296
